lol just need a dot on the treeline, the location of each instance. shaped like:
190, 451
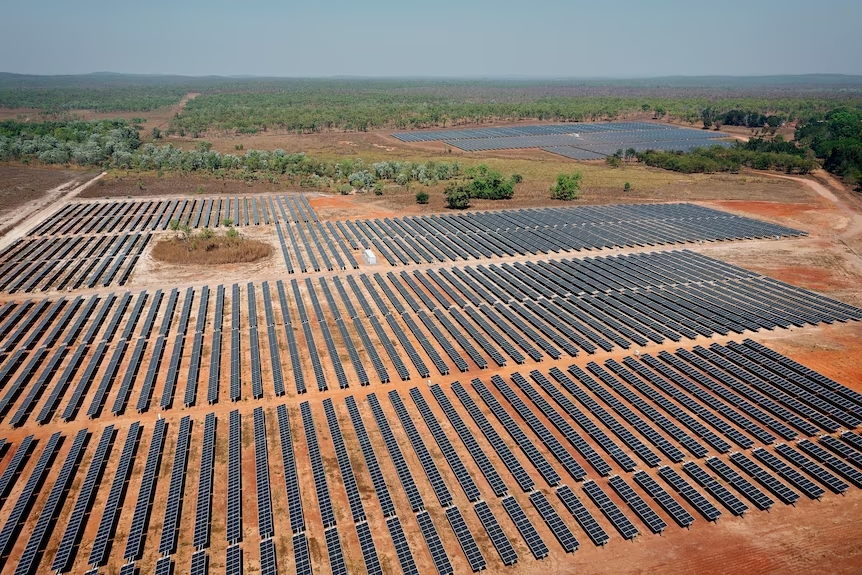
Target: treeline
116, 144
309, 105
836, 139
104, 100
83, 143
719, 159
746, 118
315, 111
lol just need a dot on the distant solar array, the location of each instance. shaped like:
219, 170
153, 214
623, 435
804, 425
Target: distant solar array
574, 140
535, 130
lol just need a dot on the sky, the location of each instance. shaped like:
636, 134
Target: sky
447, 38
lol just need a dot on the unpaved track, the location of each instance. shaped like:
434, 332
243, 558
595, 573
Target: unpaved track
51, 203
854, 228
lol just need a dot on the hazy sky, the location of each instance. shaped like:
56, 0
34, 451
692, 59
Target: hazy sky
436, 38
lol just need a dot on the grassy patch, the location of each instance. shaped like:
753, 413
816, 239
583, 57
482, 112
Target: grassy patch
212, 251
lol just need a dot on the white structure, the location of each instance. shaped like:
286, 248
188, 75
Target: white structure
369, 257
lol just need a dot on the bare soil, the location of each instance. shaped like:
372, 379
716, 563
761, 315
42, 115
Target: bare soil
126, 185
25, 188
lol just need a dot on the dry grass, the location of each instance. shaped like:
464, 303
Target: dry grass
214, 251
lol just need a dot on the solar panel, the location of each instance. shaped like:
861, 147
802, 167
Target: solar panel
402, 549
841, 449
233, 529
681, 486
655, 523
268, 564
465, 538
164, 566
847, 472
630, 417
679, 514
215, 368
404, 475
730, 501
254, 353
501, 543
795, 478
641, 405
14, 467
538, 460
445, 446
560, 530
116, 495
301, 556
431, 472
199, 563
755, 495
786, 495
291, 480
150, 378
476, 452
261, 458
135, 540
203, 508
380, 487
86, 495
173, 372
525, 527
25, 497
811, 468
194, 370
432, 540
324, 502
610, 510
525, 482
52, 507
233, 560
562, 425
417, 361
369, 551
336, 554
542, 432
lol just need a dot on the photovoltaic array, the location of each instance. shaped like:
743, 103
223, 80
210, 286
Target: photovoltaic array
579, 141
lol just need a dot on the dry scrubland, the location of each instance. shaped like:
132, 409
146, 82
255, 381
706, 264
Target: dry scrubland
812, 536
210, 252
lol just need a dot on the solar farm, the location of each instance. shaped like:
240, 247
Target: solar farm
508, 391
593, 141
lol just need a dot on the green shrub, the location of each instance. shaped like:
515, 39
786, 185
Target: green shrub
487, 184
422, 197
568, 187
457, 197
718, 159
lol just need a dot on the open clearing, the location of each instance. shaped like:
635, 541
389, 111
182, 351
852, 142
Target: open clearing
116, 356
